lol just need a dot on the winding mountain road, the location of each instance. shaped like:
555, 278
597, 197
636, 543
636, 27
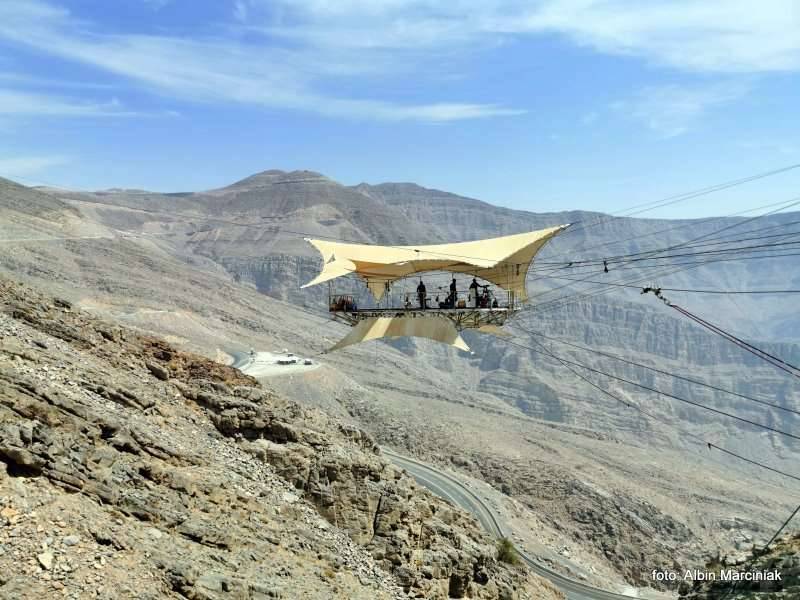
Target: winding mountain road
452, 489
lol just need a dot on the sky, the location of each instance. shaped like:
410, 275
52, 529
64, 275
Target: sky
541, 105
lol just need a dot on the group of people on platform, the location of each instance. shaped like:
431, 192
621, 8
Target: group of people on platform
343, 304
476, 299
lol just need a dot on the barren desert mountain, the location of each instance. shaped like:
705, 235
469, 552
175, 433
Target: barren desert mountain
580, 474
19, 199
129, 467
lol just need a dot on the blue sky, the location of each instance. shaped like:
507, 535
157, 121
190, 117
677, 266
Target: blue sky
542, 105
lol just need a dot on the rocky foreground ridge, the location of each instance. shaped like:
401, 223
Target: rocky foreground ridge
130, 469
782, 557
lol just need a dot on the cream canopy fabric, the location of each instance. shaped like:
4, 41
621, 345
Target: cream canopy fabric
503, 261
439, 329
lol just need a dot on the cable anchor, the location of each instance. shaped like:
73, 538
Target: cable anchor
656, 291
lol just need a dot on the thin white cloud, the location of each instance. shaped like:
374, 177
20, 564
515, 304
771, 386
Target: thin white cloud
310, 47
27, 80
712, 36
17, 103
771, 146
29, 165
670, 110
218, 69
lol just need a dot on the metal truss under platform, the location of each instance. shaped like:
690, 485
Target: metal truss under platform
462, 318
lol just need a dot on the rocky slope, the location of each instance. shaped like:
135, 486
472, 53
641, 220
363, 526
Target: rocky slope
587, 471
269, 254
254, 228
783, 558
129, 468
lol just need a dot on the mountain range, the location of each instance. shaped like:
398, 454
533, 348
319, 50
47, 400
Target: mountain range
219, 271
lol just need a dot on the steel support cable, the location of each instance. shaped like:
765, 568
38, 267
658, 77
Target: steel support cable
540, 270
783, 206
709, 252
778, 362
721, 239
687, 196
572, 283
624, 258
684, 400
656, 370
760, 255
758, 248
666, 289
762, 354
743, 250
652, 258
691, 222
763, 551
638, 408
605, 288
751, 255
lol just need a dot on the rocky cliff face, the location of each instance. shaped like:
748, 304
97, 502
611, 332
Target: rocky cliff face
653, 337
128, 467
783, 558
439, 402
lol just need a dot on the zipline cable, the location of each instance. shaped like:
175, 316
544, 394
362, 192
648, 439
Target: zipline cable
761, 552
678, 398
666, 289
543, 350
615, 258
656, 370
760, 353
782, 206
669, 200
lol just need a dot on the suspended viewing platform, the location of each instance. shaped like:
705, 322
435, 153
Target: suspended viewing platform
487, 288
467, 312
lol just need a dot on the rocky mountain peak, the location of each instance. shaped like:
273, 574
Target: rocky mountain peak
29, 201
277, 177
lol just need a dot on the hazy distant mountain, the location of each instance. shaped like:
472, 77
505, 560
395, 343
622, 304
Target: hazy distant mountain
254, 229
169, 263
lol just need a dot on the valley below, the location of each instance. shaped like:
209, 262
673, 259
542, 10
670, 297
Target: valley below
596, 490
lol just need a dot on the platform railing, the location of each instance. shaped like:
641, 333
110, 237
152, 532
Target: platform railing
342, 303
440, 299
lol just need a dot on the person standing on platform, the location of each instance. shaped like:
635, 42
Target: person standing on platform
473, 293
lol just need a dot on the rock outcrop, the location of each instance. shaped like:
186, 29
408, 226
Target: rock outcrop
773, 575
131, 469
